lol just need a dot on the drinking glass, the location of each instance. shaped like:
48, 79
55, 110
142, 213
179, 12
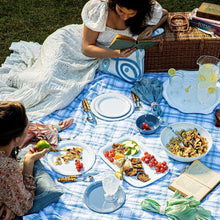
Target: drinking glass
175, 86
207, 78
110, 185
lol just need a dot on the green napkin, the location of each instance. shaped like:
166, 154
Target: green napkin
178, 208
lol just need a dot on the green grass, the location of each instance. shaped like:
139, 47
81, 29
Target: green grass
34, 20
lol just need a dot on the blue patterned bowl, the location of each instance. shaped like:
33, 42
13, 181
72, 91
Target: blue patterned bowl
150, 119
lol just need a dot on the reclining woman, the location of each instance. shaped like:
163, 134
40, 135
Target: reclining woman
56, 72
17, 186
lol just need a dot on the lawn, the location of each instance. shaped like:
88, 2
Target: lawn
34, 20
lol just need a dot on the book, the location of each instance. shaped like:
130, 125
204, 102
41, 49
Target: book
211, 21
197, 180
215, 28
122, 41
208, 10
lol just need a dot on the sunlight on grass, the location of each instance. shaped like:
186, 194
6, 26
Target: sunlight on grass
34, 20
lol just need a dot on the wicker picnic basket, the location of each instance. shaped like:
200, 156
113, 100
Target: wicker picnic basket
180, 46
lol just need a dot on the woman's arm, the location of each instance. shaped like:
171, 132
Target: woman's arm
19, 185
151, 28
162, 20
6, 213
91, 50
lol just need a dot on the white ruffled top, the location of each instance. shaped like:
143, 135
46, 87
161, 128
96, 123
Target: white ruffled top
95, 14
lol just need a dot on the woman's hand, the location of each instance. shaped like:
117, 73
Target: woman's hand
34, 155
126, 52
6, 213
30, 158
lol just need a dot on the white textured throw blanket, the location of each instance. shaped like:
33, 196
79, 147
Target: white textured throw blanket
48, 77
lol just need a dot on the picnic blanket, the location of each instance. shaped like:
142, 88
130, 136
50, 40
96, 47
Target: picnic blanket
71, 204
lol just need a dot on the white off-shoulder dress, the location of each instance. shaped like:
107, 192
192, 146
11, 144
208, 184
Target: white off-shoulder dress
48, 77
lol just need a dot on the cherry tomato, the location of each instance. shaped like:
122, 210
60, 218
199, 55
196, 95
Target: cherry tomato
157, 169
147, 126
165, 167
143, 158
144, 124
112, 151
77, 162
147, 161
111, 160
164, 163
151, 165
78, 169
159, 165
162, 170
106, 154
110, 156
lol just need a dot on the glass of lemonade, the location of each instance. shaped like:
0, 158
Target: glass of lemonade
207, 78
175, 86
110, 185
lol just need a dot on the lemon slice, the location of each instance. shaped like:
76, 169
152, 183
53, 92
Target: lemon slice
207, 65
211, 90
187, 88
214, 78
202, 77
118, 175
172, 72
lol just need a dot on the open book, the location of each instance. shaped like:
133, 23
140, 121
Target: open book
121, 41
198, 180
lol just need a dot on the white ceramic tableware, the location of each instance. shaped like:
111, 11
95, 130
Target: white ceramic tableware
167, 134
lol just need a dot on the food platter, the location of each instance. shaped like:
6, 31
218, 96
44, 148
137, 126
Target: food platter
133, 179
193, 105
112, 107
88, 158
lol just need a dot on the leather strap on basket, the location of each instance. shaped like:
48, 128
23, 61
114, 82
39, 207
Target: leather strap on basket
176, 25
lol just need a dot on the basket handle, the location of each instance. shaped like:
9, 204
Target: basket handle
174, 27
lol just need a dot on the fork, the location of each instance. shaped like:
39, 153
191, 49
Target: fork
136, 101
67, 138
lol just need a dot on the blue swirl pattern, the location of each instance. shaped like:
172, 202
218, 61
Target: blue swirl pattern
130, 69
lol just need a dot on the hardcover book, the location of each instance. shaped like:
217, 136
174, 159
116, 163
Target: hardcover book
121, 41
208, 10
197, 180
215, 28
211, 21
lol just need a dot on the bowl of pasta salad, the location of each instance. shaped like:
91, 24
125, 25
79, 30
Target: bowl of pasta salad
192, 143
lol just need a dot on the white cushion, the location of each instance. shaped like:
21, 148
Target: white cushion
130, 69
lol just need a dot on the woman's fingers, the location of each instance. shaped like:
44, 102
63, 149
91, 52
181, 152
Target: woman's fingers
127, 52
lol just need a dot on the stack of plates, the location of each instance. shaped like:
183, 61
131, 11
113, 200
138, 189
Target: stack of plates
112, 107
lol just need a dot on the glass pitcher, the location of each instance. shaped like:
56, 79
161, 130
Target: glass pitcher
207, 78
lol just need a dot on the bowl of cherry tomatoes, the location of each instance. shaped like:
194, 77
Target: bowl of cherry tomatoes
147, 124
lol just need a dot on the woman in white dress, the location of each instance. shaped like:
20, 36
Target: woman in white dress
48, 77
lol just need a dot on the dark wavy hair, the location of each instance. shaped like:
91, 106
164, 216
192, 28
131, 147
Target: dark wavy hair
13, 121
144, 10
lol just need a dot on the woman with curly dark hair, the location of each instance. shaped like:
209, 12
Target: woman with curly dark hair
57, 71
17, 185
129, 16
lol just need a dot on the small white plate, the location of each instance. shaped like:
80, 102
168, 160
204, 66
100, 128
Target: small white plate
97, 114
133, 179
192, 106
112, 105
88, 158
